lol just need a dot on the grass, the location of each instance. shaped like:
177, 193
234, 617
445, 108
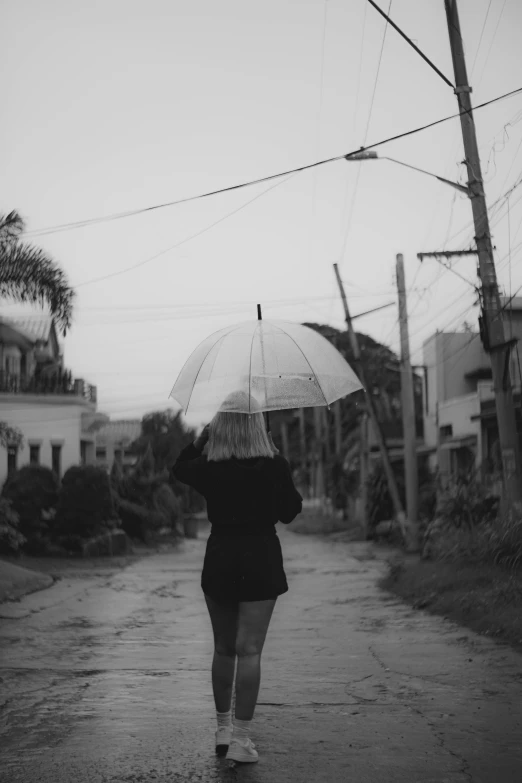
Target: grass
484, 598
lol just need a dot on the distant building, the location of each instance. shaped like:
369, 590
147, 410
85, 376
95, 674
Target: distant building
54, 411
113, 442
460, 415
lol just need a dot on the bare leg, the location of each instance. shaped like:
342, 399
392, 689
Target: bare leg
224, 625
254, 618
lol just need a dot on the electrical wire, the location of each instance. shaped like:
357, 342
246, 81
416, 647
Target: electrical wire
318, 123
481, 36
377, 76
183, 241
306, 167
492, 41
414, 46
358, 176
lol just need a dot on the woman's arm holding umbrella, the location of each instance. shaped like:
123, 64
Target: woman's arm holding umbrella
190, 465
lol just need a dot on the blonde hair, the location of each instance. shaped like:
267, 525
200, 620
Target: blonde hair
235, 434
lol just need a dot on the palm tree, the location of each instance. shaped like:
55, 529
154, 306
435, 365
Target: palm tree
29, 274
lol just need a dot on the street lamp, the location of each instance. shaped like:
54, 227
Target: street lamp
372, 155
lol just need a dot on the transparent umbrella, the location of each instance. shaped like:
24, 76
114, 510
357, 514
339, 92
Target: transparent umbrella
277, 364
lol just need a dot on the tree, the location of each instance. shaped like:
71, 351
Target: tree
29, 274
164, 434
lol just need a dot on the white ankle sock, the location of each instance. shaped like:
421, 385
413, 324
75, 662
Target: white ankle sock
241, 728
224, 719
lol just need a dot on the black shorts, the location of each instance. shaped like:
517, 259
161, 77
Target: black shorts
243, 568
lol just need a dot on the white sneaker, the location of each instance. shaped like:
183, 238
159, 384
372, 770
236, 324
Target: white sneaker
242, 750
223, 737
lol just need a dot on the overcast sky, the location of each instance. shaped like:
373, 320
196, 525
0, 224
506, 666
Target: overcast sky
123, 104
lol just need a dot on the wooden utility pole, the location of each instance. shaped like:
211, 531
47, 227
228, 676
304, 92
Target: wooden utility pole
408, 409
319, 486
284, 440
302, 448
364, 458
338, 428
409, 541
499, 348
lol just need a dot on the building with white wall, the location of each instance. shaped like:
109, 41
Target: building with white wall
55, 413
113, 443
460, 414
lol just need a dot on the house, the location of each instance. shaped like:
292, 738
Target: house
55, 412
460, 414
113, 442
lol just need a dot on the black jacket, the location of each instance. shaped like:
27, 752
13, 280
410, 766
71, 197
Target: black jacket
244, 496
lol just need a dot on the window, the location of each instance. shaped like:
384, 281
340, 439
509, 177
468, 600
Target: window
34, 454
101, 453
446, 431
12, 455
57, 459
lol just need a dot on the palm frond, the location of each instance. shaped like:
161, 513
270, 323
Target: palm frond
11, 228
28, 274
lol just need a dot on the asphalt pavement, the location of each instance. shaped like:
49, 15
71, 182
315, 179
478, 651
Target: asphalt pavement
105, 678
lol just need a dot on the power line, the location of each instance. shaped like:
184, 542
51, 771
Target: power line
481, 36
377, 75
358, 176
183, 241
414, 46
492, 41
306, 167
318, 124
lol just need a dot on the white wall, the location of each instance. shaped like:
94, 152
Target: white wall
47, 420
431, 391
458, 413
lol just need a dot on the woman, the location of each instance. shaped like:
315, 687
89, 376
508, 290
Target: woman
248, 488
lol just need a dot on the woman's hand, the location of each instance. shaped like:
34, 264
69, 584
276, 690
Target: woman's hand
272, 444
202, 439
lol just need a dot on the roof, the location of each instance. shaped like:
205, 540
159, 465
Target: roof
14, 335
35, 327
126, 430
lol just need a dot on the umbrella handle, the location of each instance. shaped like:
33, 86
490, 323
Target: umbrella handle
260, 318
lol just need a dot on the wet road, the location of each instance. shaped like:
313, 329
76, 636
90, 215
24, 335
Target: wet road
105, 679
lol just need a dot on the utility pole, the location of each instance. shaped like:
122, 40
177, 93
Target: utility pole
390, 477
302, 444
319, 485
338, 428
364, 459
499, 348
284, 440
408, 408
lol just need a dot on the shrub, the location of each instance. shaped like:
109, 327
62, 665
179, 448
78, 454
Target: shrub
85, 505
32, 490
464, 502
165, 502
493, 541
11, 539
136, 520
380, 506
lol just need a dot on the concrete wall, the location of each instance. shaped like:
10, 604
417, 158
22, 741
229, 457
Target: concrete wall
458, 412
44, 420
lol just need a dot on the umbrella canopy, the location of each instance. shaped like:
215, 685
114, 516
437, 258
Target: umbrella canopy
277, 364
